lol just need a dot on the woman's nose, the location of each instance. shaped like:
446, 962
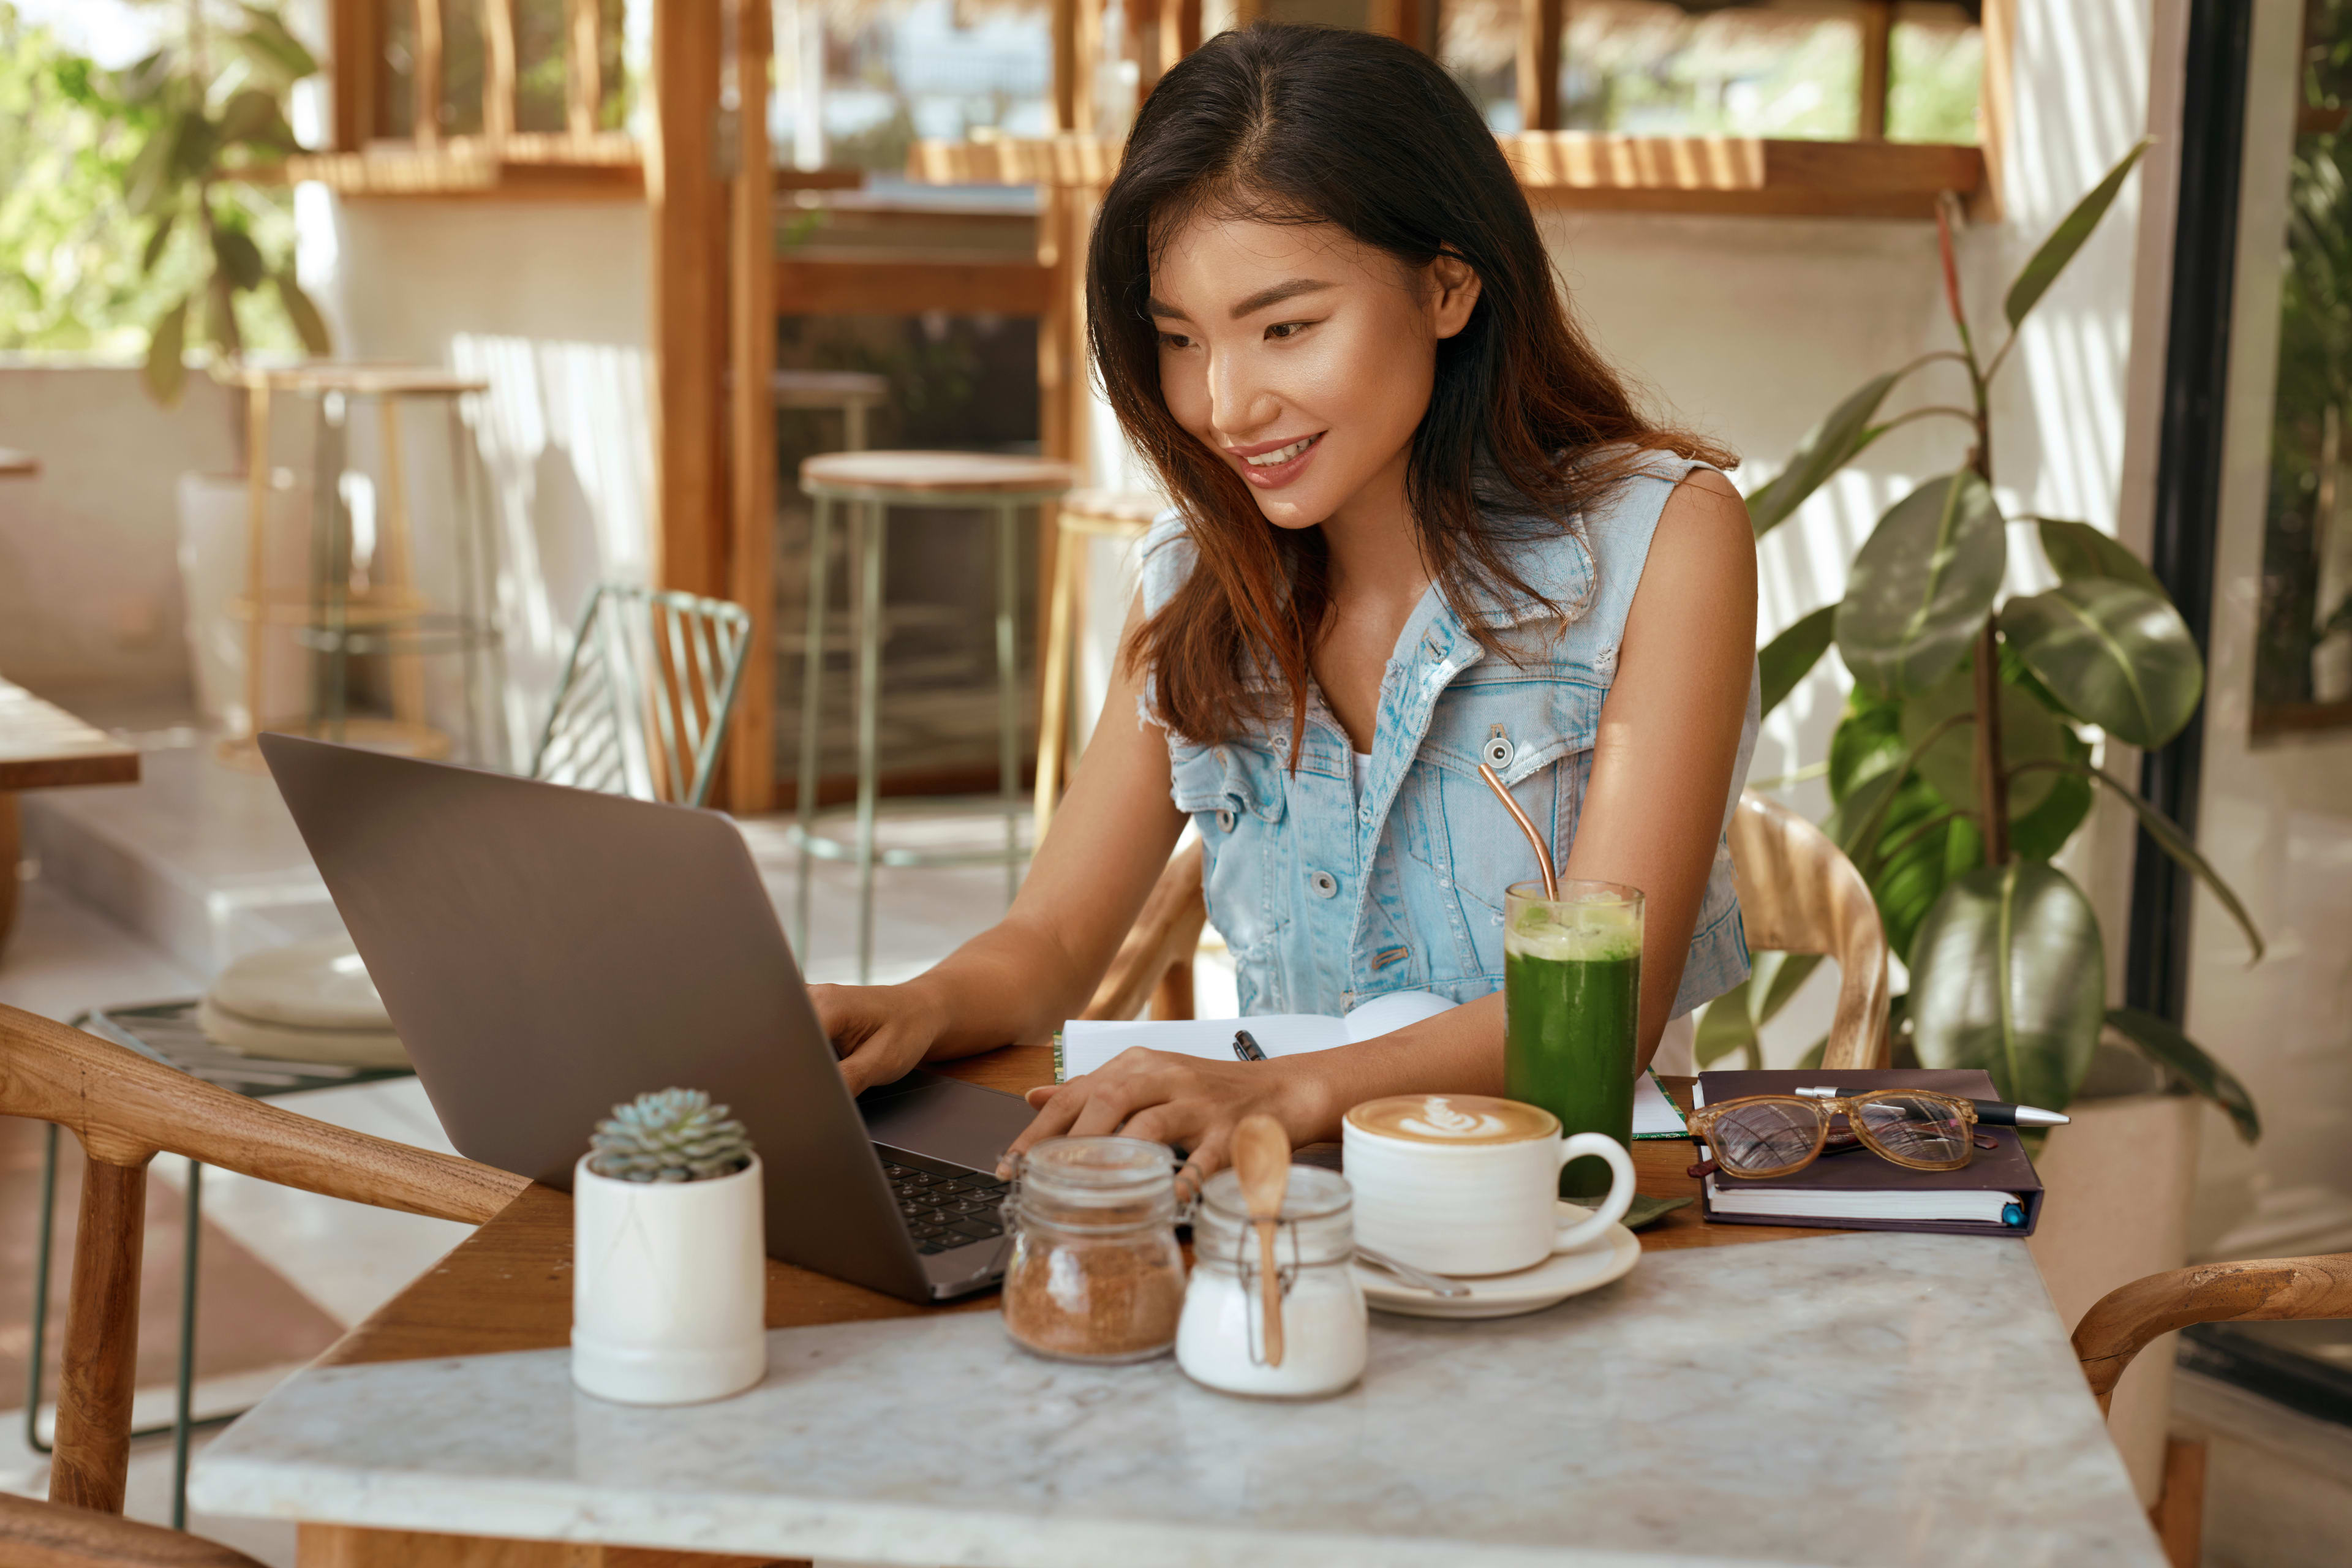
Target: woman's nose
1241, 404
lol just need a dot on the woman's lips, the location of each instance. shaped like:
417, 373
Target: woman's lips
1273, 476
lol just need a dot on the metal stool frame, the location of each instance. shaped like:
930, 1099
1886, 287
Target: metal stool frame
869, 507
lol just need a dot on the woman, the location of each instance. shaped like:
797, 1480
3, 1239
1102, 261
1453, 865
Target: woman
1419, 524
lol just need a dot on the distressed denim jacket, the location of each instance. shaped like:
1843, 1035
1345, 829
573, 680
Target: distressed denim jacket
1329, 899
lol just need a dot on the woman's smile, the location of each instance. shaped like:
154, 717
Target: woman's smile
1270, 466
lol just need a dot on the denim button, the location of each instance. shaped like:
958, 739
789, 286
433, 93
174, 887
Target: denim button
1324, 883
1225, 821
1499, 750
1364, 814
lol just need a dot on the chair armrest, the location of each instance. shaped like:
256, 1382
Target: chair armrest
57, 1535
2122, 1323
1166, 933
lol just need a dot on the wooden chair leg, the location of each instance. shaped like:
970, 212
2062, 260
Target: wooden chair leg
2179, 1515
93, 1455
10, 851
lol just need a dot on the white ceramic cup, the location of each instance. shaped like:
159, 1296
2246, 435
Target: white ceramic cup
1466, 1185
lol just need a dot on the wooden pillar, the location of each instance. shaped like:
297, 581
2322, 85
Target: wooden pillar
1407, 21
355, 69
101, 1349
497, 69
1996, 107
687, 201
583, 68
1179, 30
424, 75
1540, 29
751, 357
1877, 20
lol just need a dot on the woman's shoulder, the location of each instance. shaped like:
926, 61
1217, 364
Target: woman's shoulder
1165, 559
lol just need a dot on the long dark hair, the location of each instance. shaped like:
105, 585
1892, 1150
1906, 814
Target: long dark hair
1293, 123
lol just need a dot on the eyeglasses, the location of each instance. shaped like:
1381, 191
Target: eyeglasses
1766, 1135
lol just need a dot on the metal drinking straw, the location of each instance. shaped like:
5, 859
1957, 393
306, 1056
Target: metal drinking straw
1543, 855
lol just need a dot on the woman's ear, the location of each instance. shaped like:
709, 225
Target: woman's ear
1453, 294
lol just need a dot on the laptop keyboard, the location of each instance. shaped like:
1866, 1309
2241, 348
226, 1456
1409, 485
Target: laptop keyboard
947, 1211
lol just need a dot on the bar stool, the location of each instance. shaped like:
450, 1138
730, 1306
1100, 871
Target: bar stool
853, 392
1082, 516
869, 484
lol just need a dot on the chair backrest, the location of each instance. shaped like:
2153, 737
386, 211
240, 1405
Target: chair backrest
127, 1108
2123, 1322
644, 704
1153, 966
1798, 893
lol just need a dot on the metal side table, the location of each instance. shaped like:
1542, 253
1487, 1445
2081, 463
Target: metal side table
869, 484
166, 1032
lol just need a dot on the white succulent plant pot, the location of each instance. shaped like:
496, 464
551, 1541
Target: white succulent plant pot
669, 1287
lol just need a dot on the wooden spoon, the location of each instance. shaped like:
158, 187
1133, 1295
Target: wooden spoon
1262, 1160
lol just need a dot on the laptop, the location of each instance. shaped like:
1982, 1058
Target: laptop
546, 954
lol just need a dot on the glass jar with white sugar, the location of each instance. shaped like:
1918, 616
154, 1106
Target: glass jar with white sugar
1221, 1340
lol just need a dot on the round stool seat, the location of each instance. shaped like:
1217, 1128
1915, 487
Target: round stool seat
317, 984
828, 388
1123, 512
919, 474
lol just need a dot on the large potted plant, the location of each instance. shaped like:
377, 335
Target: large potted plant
209, 108
1962, 766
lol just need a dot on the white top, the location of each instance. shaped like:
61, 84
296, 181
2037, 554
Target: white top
1363, 772
1876, 1400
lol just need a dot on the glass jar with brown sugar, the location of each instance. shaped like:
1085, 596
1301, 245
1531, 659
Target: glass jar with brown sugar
1095, 1273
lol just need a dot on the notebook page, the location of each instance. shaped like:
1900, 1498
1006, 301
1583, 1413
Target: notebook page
1086, 1044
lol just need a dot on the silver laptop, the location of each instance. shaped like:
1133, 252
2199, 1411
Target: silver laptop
546, 954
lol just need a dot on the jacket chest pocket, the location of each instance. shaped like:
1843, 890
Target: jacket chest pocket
1515, 721
1235, 795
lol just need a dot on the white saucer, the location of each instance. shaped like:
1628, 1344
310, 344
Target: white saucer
1555, 1280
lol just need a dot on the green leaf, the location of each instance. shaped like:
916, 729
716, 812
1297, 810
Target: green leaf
220, 315
2170, 1047
2116, 655
2077, 550
1921, 585
153, 250
309, 325
1866, 743
272, 45
2175, 842
2007, 974
166, 370
1826, 447
2066, 239
238, 257
1727, 1027
251, 117
2040, 833
1788, 658
2029, 734
1912, 862
146, 184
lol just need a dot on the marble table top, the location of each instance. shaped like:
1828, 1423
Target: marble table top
1871, 1400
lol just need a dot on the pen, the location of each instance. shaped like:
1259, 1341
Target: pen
1991, 1112
1246, 1047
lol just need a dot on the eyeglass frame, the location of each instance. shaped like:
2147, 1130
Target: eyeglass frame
1702, 1126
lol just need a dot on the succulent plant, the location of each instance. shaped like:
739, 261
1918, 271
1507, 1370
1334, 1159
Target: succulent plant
673, 1135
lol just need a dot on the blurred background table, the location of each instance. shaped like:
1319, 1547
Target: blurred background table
42, 746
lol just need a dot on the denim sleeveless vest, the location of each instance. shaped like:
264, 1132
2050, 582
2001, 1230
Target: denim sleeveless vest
1328, 900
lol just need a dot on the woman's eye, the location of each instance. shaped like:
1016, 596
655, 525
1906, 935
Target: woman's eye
1174, 340
1282, 329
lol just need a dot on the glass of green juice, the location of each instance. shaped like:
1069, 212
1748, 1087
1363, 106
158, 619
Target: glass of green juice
1572, 1011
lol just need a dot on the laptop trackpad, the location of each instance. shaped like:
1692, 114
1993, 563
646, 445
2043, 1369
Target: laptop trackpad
944, 1118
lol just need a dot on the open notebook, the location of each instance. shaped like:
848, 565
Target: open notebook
1085, 1045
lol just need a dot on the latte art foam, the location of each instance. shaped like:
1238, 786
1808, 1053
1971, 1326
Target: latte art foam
1454, 1119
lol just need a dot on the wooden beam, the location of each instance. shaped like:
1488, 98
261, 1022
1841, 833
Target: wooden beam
1407, 21
497, 69
1996, 107
750, 775
424, 75
523, 166
884, 284
1180, 31
583, 67
355, 70
1877, 20
1540, 29
1061, 19
688, 207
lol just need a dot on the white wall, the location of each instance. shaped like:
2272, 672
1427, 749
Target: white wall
549, 301
90, 585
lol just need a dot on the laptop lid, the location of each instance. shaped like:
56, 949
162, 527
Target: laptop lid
547, 953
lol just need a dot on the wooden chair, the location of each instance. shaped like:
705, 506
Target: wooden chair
1798, 893
1154, 965
1083, 516
126, 1110
57, 1535
2125, 1321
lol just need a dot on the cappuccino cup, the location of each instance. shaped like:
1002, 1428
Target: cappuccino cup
1467, 1184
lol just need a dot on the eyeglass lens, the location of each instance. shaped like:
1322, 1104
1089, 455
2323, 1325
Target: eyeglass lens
1930, 1130
1765, 1136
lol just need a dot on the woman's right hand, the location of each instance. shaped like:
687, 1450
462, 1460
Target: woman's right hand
881, 1033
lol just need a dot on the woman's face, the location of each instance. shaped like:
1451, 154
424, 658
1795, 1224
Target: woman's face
1302, 357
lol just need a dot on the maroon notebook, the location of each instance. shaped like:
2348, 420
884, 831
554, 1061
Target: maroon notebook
1998, 1181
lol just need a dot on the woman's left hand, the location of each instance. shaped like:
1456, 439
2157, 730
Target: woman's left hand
1183, 1101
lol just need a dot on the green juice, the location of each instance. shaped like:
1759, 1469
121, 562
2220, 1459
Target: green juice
1572, 1011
